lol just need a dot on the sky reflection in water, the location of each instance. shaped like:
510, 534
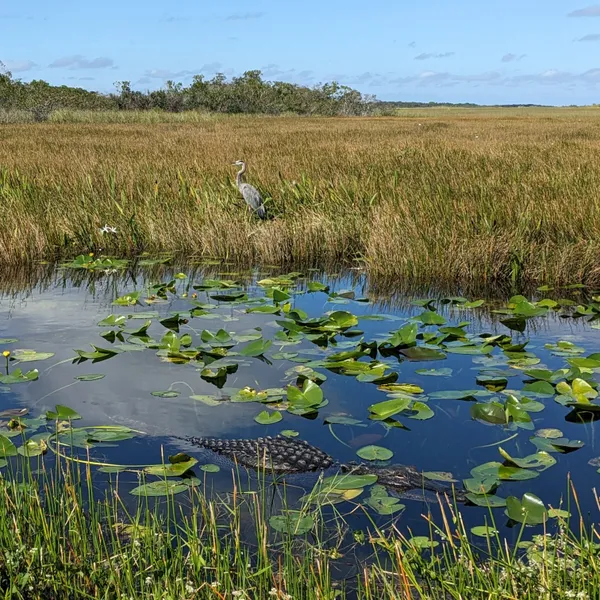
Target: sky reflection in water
61, 317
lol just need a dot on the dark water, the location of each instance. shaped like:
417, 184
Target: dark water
60, 314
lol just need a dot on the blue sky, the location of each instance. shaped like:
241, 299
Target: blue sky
515, 51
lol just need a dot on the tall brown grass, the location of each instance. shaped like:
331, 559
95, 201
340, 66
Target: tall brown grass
443, 195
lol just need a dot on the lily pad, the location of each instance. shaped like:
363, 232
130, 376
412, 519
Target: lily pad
384, 410
530, 510
289, 433
210, 468
30, 355
90, 377
268, 418
445, 372
62, 413
382, 503
166, 394
159, 488
292, 522
17, 376
484, 531
420, 542
374, 453
421, 354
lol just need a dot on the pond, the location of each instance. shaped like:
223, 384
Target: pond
500, 393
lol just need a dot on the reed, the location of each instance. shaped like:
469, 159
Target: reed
60, 537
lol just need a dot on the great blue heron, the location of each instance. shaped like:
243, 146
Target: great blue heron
249, 192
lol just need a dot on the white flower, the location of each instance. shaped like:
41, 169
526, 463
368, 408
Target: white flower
189, 588
148, 580
237, 593
108, 229
214, 585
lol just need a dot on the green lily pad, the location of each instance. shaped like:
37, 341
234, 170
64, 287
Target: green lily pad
268, 418
290, 433
173, 469
420, 542
530, 510
210, 468
159, 488
423, 412
256, 348
384, 410
90, 377
17, 376
349, 481
292, 522
486, 500
166, 394
7, 448
374, 453
445, 372
542, 388
23, 355
484, 531
341, 420
62, 413
421, 354
382, 503
429, 317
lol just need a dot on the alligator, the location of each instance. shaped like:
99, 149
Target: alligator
281, 455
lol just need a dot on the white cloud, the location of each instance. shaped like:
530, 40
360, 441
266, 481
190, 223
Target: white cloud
510, 57
77, 61
19, 66
245, 16
591, 37
549, 77
590, 11
428, 55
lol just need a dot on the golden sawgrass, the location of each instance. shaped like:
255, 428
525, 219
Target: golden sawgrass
440, 194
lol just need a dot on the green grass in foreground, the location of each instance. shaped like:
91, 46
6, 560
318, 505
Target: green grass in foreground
446, 195
58, 541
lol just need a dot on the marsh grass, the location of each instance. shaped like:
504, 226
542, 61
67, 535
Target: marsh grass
444, 195
60, 537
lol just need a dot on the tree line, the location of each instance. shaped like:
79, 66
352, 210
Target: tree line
248, 93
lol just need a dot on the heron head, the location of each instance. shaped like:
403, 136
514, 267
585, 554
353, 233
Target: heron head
239, 163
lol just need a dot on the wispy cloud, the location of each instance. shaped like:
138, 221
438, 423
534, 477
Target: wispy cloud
550, 77
165, 74
77, 61
412, 44
19, 66
589, 11
245, 16
428, 55
591, 37
513, 57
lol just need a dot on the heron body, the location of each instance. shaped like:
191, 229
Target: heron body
250, 194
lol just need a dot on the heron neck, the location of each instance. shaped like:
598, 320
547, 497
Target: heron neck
240, 173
